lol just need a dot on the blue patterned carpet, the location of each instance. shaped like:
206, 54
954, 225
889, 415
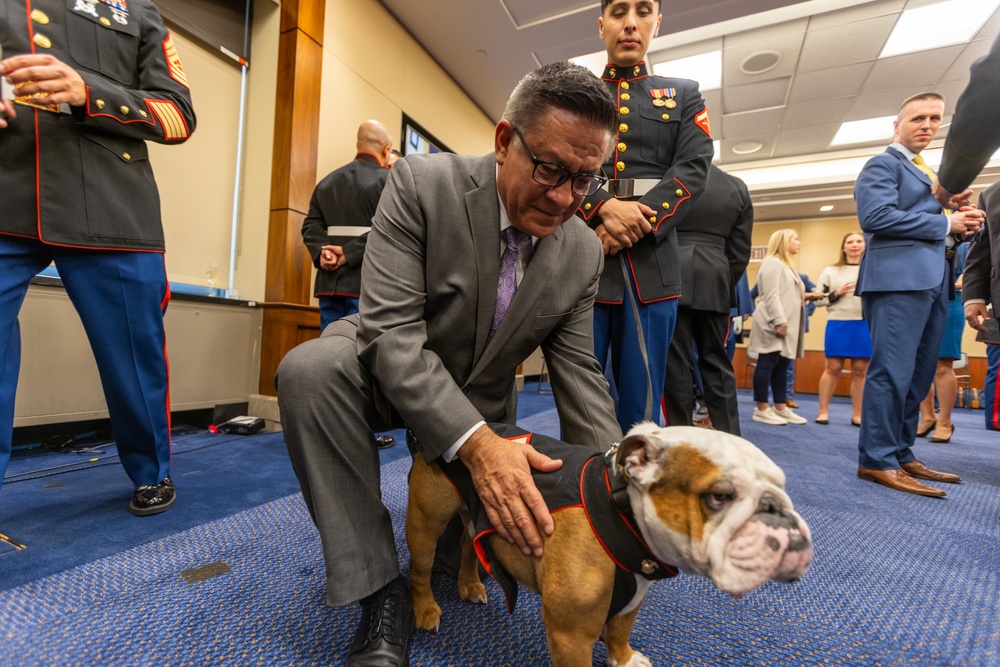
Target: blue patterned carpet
896, 580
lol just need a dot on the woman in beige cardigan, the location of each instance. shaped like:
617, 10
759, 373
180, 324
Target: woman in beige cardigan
778, 324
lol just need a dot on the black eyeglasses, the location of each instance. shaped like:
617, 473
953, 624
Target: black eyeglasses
554, 175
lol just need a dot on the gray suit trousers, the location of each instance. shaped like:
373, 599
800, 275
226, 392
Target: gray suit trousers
329, 416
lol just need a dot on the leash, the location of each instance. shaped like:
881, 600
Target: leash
634, 301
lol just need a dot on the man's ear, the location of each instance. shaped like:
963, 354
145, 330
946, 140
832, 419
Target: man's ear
600, 28
501, 140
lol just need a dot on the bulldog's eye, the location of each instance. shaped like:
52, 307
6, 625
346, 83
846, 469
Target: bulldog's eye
717, 501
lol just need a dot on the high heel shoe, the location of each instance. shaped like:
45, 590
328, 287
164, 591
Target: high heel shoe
934, 438
924, 434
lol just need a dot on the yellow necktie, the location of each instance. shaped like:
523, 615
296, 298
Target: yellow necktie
922, 166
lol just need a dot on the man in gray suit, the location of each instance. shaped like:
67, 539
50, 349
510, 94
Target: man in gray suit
431, 349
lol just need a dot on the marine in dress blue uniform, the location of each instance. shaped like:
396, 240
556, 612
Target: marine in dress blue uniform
661, 159
77, 188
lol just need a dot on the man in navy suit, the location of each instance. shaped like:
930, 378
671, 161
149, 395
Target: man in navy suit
904, 281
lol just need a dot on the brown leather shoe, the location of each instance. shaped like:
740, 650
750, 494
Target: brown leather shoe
899, 480
790, 402
918, 469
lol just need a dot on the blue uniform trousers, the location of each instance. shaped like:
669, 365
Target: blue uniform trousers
120, 297
906, 329
991, 401
615, 330
332, 308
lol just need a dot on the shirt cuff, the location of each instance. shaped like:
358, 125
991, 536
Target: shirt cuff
450, 453
968, 301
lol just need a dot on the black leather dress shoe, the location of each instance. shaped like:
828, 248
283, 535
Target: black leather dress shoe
383, 636
385, 441
153, 499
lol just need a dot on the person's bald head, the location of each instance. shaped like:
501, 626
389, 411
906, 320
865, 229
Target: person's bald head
375, 139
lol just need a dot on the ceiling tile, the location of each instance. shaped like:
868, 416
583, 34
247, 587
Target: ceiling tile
913, 69
767, 33
856, 13
787, 46
973, 52
728, 157
881, 103
530, 12
750, 124
805, 140
823, 84
845, 44
754, 96
824, 112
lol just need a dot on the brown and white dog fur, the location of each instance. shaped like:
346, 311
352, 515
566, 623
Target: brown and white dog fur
705, 502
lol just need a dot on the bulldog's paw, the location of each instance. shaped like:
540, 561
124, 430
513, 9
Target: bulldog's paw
637, 660
427, 615
473, 592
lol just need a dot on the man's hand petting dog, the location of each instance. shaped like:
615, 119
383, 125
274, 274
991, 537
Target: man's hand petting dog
501, 472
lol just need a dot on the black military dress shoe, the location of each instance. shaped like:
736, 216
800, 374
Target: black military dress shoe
153, 499
385, 441
383, 636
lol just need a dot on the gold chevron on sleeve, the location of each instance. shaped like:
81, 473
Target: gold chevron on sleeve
174, 61
170, 118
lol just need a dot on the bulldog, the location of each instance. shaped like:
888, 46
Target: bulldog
664, 500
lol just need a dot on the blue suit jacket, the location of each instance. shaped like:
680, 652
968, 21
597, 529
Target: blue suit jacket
903, 224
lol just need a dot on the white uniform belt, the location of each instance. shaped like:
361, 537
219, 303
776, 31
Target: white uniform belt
347, 231
622, 188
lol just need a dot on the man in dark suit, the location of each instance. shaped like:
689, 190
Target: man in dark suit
340, 215
658, 168
974, 134
440, 336
981, 287
904, 282
714, 240
93, 82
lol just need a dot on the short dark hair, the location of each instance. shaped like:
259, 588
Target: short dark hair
929, 95
605, 3
563, 86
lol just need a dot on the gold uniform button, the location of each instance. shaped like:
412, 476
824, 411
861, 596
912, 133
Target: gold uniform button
620, 166
42, 41
123, 109
621, 147
666, 116
99, 104
625, 85
105, 22
626, 96
142, 113
666, 204
38, 16
587, 207
126, 156
679, 192
623, 128
652, 218
623, 111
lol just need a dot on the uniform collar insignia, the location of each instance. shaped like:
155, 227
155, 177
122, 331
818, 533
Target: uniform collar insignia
616, 73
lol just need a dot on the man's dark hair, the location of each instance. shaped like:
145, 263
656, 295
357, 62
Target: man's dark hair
561, 86
605, 3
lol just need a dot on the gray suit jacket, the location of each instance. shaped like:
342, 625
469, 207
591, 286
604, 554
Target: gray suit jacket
428, 291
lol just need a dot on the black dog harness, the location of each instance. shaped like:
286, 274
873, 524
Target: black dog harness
586, 479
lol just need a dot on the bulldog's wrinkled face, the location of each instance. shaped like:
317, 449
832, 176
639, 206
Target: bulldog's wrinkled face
713, 504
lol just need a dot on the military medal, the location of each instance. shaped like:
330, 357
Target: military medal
88, 7
664, 97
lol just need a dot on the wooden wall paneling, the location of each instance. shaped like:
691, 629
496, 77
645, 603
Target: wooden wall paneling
288, 319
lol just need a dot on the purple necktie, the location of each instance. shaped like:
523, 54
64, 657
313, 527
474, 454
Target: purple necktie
507, 283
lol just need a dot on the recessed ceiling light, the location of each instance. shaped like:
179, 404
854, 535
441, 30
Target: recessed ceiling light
824, 209
760, 62
933, 26
863, 131
747, 147
705, 68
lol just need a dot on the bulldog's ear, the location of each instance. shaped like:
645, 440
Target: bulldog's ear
637, 454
